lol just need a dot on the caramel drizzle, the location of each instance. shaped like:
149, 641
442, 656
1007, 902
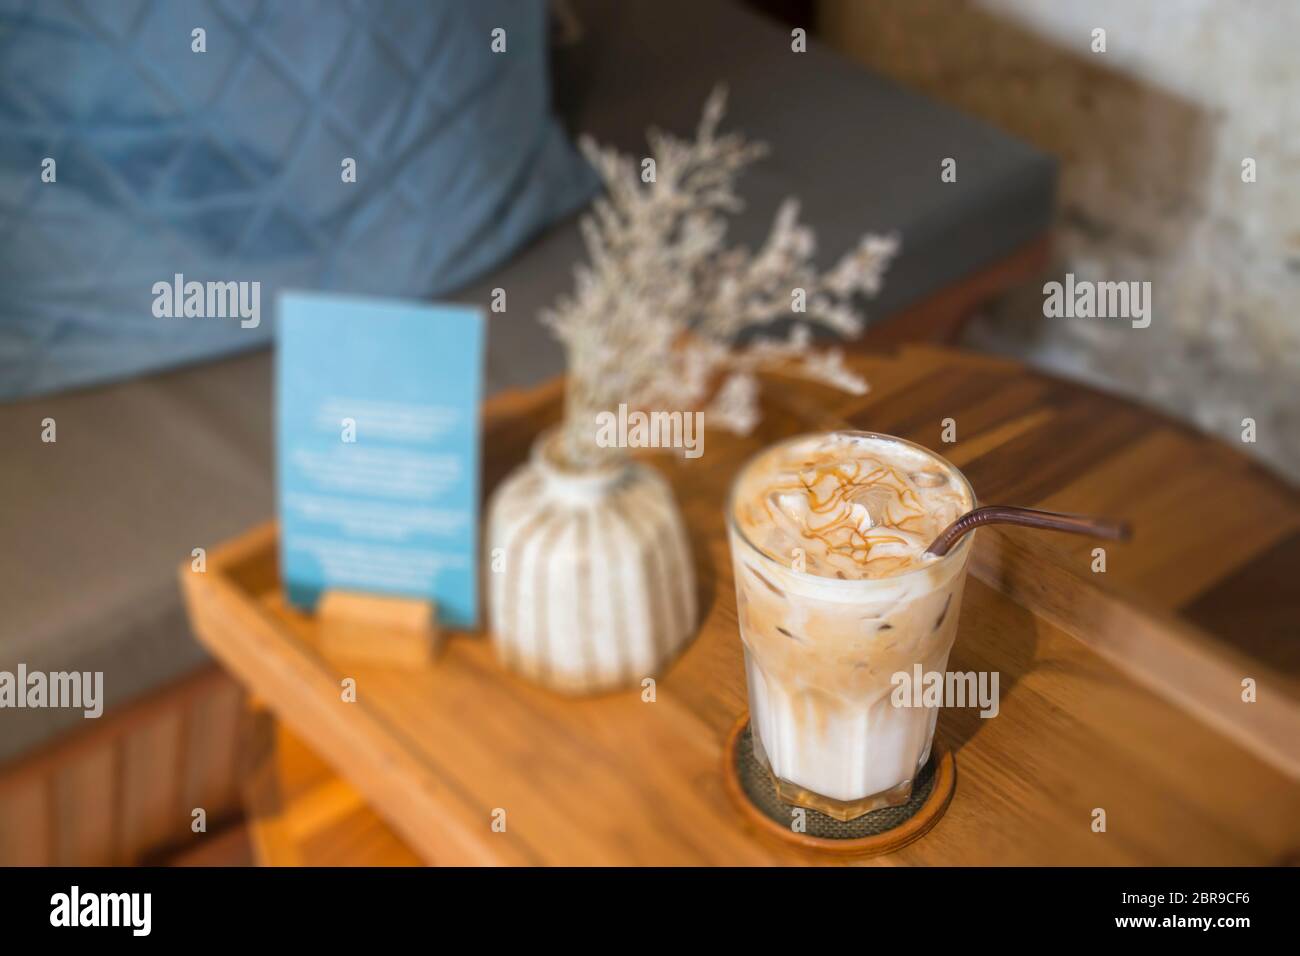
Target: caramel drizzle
836, 501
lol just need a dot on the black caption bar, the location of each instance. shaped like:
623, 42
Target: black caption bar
333, 906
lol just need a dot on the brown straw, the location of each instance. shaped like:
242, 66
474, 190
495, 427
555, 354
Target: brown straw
1029, 518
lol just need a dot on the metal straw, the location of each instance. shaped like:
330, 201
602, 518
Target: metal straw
1028, 518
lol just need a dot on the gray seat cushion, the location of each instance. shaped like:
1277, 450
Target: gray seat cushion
95, 524
860, 152
93, 527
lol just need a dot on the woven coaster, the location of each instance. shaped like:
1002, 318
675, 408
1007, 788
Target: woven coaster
880, 831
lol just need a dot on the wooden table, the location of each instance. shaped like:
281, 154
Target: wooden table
1120, 690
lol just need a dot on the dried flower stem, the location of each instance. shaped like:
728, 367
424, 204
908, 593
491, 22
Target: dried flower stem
654, 315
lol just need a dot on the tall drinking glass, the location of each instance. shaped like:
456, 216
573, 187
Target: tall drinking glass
835, 595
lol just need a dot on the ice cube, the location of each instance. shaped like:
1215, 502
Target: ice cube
928, 479
861, 516
789, 511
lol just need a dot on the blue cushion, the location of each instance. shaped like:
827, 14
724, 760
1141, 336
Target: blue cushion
225, 166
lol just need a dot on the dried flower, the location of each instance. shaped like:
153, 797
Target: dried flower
654, 317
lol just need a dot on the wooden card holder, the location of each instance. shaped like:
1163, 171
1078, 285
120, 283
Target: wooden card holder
378, 628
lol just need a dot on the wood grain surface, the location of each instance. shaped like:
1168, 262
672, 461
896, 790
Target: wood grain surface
301, 813
1119, 691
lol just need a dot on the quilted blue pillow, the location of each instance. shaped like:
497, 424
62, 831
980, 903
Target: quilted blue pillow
227, 166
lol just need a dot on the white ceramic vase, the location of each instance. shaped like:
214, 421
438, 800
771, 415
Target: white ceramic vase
590, 581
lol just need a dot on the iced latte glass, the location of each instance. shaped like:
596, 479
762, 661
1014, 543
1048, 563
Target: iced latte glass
835, 595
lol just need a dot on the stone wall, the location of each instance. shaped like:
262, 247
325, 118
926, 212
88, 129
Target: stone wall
1151, 134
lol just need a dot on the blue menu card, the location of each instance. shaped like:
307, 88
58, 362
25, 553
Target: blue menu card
377, 431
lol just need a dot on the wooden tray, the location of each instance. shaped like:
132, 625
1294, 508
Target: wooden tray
1120, 691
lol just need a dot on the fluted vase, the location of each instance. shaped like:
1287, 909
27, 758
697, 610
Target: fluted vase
590, 581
